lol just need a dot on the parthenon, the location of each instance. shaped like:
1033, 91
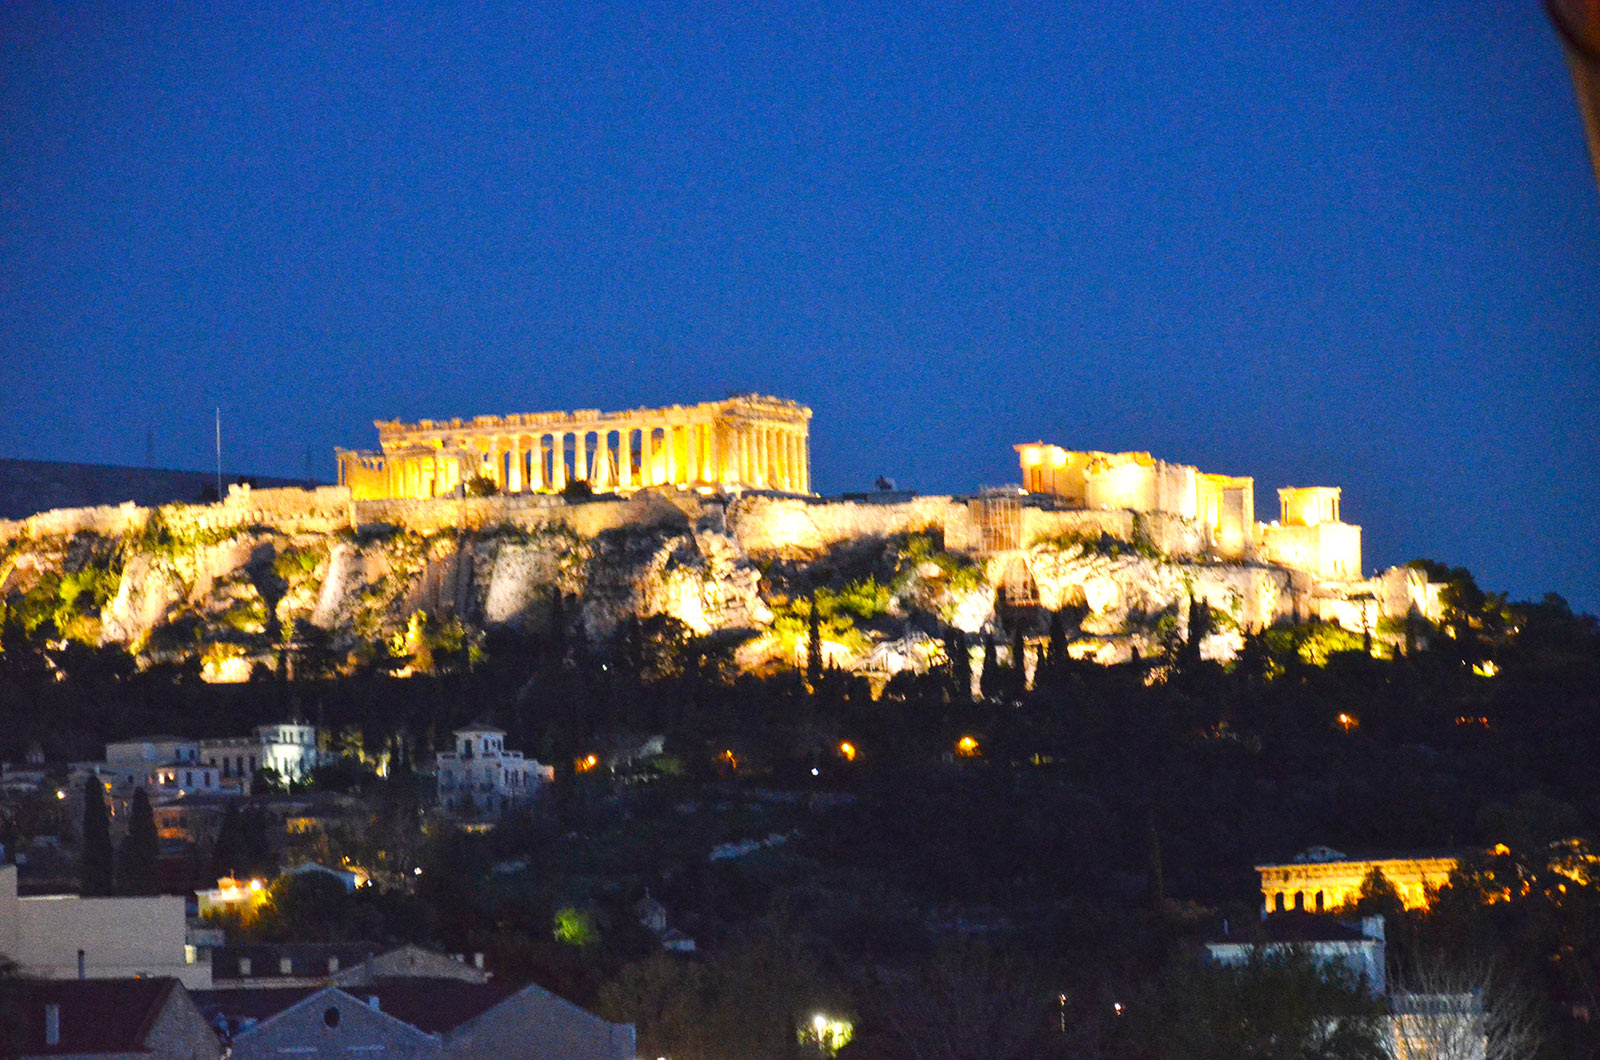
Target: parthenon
749, 441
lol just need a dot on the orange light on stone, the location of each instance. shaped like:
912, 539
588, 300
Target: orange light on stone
967, 747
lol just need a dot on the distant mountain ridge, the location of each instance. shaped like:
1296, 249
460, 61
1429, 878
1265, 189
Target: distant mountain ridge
31, 486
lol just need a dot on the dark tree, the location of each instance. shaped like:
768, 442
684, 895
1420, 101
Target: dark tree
1058, 641
227, 856
813, 645
95, 872
960, 666
989, 682
136, 873
1019, 664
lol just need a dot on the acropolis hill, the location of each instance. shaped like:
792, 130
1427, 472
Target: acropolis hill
701, 513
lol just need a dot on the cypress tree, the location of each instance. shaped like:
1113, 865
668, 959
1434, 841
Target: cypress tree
137, 872
95, 872
227, 856
1058, 641
1019, 664
960, 666
813, 646
989, 680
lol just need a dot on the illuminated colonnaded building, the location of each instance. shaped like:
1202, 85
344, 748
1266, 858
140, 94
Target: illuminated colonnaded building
1320, 879
1308, 536
749, 441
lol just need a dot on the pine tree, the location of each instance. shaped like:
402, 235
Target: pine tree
136, 873
95, 872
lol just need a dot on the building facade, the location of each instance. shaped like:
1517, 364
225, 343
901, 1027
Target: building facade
1309, 534
1320, 879
64, 936
749, 441
481, 778
288, 748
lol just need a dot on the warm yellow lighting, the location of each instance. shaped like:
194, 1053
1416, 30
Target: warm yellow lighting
60, 794
827, 1035
1349, 723
848, 750
1487, 668
255, 885
1031, 456
730, 758
586, 763
1476, 720
967, 747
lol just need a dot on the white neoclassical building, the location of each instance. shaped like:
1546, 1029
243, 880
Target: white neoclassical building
480, 777
289, 748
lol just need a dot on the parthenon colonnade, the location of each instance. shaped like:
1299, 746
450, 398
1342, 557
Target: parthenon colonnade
749, 441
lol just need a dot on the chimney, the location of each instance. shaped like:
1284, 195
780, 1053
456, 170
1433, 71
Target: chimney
52, 1023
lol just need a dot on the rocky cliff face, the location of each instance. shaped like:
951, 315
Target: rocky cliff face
230, 583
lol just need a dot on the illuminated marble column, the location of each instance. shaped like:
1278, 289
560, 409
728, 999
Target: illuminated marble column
536, 463
713, 454
514, 480
625, 457
558, 460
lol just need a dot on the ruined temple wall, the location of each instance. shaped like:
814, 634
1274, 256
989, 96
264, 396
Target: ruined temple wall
1331, 551
108, 521
529, 511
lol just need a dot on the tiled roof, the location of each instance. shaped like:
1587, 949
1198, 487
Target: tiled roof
308, 960
97, 1015
433, 1005
430, 1005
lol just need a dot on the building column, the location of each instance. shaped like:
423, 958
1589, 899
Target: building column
536, 463
558, 460
713, 454
669, 459
514, 481
580, 455
625, 457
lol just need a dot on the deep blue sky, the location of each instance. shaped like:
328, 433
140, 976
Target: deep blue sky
1355, 248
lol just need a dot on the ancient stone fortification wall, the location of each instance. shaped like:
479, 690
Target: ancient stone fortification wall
764, 525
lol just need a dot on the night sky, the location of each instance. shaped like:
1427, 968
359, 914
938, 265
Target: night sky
1321, 247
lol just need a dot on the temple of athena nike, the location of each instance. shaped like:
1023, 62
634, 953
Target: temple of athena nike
749, 441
